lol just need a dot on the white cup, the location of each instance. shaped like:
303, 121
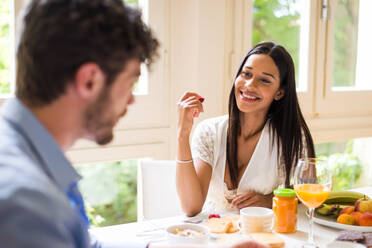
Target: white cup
255, 219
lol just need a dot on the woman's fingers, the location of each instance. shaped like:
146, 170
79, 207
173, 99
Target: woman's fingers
237, 200
192, 104
252, 201
188, 108
191, 94
240, 198
257, 200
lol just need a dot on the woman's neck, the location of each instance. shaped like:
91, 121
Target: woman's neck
251, 125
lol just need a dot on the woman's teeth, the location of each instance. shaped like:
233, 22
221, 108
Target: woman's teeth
250, 97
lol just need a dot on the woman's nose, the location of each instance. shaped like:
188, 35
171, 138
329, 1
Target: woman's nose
249, 82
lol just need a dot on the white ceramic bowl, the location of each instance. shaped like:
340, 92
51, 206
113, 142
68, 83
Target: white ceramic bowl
177, 239
257, 212
255, 219
344, 244
256, 228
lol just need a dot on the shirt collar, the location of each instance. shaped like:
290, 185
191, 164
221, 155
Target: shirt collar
55, 163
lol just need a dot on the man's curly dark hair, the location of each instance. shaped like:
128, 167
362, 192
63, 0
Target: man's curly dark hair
60, 35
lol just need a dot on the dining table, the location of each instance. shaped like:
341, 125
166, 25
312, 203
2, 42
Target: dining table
154, 230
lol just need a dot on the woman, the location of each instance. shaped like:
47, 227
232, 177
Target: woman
239, 159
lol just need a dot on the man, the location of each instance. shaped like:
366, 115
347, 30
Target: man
77, 63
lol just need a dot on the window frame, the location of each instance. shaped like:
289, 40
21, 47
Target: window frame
325, 111
331, 102
147, 134
334, 119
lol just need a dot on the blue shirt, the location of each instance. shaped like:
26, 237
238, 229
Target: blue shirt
35, 210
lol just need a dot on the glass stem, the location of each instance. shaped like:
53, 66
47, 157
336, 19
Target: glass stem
311, 237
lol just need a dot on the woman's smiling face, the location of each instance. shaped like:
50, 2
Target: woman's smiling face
257, 85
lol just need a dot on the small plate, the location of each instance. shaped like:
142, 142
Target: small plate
327, 221
174, 238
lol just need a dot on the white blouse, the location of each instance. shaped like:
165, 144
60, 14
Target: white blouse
263, 174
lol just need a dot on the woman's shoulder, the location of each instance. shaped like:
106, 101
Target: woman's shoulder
215, 122
212, 126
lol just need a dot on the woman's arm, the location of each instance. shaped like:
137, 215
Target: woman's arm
192, 185
192, 177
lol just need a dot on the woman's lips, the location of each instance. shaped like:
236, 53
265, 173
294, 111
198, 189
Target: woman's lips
249, 97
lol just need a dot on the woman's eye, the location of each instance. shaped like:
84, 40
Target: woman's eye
265, 80
246, 74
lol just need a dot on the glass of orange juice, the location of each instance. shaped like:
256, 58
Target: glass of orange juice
312, 184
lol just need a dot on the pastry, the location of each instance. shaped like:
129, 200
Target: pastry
218, 225
270, 239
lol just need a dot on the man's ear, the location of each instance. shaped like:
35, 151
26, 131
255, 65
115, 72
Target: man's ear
279, 94
89, 80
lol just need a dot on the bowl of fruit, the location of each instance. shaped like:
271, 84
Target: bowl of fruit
346, 210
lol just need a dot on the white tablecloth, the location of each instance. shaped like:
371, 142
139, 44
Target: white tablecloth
154, 230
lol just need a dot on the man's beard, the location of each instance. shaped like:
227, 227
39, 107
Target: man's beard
94, 120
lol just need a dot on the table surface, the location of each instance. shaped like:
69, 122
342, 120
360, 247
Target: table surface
154, 230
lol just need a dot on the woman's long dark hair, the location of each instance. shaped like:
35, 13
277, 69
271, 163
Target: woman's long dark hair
286, 119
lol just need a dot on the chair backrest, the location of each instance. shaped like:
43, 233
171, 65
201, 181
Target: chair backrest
157, 195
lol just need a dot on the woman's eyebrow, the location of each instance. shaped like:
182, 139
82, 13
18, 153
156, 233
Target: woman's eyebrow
265, 73
268, 74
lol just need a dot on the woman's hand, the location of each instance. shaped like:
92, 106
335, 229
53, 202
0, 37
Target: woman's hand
189, 107
252, 199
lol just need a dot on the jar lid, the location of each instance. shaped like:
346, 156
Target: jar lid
285, 192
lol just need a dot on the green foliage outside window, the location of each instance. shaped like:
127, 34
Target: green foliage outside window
110, 192
131, 2
345, 167
5, 47
345, 42
278, 21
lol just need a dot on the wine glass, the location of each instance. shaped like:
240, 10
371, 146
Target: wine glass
312, 184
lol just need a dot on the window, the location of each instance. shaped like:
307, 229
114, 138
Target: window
343, 61
349, 162
351, 40
143, 132
141, 86
290, 23
6, 47
285, 23
329, 42
110, 188
110, 192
